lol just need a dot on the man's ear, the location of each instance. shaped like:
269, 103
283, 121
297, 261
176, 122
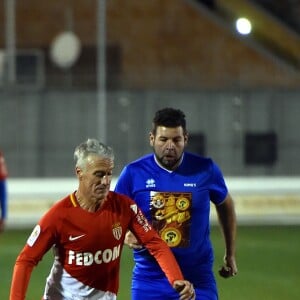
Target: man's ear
186, 138
78, 172
151, 139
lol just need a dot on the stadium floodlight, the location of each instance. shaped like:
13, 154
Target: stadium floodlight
243, 26
65, 49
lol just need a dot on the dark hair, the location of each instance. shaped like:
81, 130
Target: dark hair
169, 117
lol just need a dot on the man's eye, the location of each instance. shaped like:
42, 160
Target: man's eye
103, 174
99, 174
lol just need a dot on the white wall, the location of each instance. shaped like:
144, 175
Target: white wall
258, 200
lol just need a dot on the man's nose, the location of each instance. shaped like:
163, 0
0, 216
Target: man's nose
106, 179
170, 145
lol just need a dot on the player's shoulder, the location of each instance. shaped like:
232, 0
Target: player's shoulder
120, 198
57, 211
121, 203
63, 203
145, 161
194, 157
141, 160
198, 162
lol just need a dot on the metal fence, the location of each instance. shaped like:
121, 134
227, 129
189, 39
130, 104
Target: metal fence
246, 132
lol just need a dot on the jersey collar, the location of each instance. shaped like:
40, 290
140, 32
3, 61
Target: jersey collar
169, 171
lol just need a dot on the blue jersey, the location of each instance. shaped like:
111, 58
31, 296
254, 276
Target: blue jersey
178, 205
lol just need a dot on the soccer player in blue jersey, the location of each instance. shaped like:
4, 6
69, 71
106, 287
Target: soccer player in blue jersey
174, 188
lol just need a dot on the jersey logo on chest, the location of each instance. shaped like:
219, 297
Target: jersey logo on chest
74, 238
150, 183
117, 231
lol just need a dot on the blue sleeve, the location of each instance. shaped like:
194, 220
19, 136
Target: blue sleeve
123, 185
3, 199
218, 188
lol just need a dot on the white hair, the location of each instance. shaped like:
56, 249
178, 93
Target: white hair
94, 147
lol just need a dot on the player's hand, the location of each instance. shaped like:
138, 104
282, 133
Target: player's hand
185, 289
132, 241
229, 268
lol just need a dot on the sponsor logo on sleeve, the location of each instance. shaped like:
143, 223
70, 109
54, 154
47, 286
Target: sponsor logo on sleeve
34, 235
141, 219
134, 208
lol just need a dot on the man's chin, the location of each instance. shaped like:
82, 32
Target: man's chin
169, 163
100, 194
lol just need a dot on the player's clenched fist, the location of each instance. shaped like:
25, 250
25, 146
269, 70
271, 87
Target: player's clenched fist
185, 289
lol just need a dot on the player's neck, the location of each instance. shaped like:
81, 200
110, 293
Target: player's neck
86, 204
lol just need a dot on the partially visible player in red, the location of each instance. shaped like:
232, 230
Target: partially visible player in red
3, 191
86, 230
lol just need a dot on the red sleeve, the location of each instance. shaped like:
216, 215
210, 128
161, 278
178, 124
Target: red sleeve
29, 257
20, 280
38, 243
165, 258
156, 246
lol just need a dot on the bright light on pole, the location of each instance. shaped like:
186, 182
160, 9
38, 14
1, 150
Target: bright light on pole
243, 26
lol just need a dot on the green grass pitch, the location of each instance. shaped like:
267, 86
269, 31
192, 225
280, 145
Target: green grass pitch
268, 261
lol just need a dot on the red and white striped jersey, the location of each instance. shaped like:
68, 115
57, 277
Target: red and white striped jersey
87, 249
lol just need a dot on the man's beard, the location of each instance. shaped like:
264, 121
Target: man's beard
168, 163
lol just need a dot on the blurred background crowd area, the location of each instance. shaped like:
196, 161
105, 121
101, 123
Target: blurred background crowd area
74, 69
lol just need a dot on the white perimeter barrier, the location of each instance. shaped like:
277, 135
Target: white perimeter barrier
258, 200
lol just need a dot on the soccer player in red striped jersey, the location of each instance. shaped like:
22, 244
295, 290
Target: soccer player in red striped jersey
86, 230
